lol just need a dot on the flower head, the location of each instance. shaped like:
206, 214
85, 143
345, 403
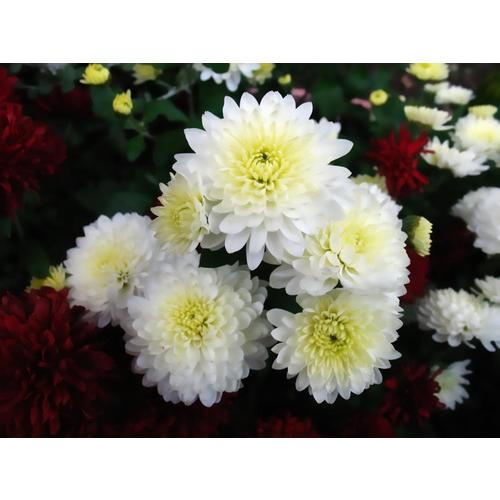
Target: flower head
196, 333
458, 316
56, 279
363, 248
429, 71
460, 163
110, 263
452, 380
489, 288
479, 209
53, 369
231, 75
453, 94
181, 220
285, 80
145, 73
429, 117
483, 111
265, 169
95, 74
396, 159
379, 97
262, 73
122, 103
28, 151
419, 231
479, 134
338, 343
412, 394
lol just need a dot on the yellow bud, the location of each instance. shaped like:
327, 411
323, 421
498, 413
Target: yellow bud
145, 73
285, 79
379, 97
56, 279
483, 111
429, 71
419, 231
262, 73
95, 74
122, 103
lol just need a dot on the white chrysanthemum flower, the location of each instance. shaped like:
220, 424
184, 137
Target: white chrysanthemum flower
197, 332
489, 287
181, 219
110, 263
432, 88
338, 343
479, 134
453, 94
460, 163
363, 248
458, 316
429, 71
451, 382
231, 77
479, 209
266, 172
430, 117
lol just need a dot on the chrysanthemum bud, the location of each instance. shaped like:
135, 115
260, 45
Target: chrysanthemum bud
123, 104
95, 74
145, 73
483, 111
285, 79
379, 97
429, 71
419, 231
56, 279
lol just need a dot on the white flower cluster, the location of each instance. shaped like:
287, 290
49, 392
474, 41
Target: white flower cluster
458, 317
260, 178
480, 210
195, 332
474, 140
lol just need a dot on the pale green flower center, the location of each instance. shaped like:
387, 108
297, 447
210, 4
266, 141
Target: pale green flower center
264, 168
111, 262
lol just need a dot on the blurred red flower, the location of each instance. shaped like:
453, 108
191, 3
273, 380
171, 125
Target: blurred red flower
53, 371
371, 425
7, 86
286, 426
76, 102
28, 150
419, 268
411, 394
397, 159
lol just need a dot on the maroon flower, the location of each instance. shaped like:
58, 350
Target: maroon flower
151, 416
7, 86
411, 394
286, 426
28, 150
53, 371
76, 103
419, 268
371, 425
397, 159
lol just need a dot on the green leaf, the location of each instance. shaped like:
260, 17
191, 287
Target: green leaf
36, 259
128, 201
165, 147
135, 147
164, 107
218, 67
102, 102
68, 75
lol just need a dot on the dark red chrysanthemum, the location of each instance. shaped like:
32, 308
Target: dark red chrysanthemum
28, 150
411, 394
7, 86
419, 268
397, 159
371, 425
76, 102
286, 426
151, 416
52, 367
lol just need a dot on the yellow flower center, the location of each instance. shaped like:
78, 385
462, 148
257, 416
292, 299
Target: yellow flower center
264, 168
111, 262
191, 318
